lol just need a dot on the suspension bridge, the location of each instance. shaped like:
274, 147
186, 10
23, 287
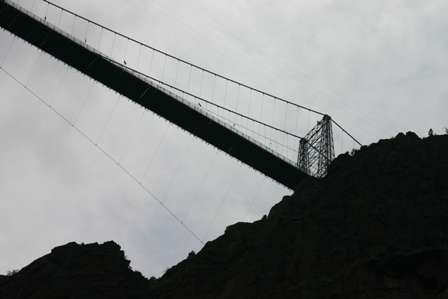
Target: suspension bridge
264, 131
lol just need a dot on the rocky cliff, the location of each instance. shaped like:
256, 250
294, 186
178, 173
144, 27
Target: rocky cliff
375, 227
76, 271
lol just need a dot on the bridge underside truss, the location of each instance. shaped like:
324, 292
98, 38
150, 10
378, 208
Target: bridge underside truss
148, 95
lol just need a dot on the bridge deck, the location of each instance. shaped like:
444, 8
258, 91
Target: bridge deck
147, 95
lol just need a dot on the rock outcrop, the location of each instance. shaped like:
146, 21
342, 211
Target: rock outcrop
77, 271
375, 227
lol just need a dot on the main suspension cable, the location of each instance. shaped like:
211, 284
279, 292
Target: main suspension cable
184, 61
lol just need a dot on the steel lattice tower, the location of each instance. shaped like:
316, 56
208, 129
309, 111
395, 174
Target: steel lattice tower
303, 161
316, 149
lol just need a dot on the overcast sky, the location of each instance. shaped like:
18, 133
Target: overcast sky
378, 67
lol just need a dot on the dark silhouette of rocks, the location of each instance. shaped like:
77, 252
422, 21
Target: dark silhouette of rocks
76, 271
375, 227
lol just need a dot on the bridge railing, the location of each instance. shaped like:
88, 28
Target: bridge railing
273, 122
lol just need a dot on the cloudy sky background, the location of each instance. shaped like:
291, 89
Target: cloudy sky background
378, 67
